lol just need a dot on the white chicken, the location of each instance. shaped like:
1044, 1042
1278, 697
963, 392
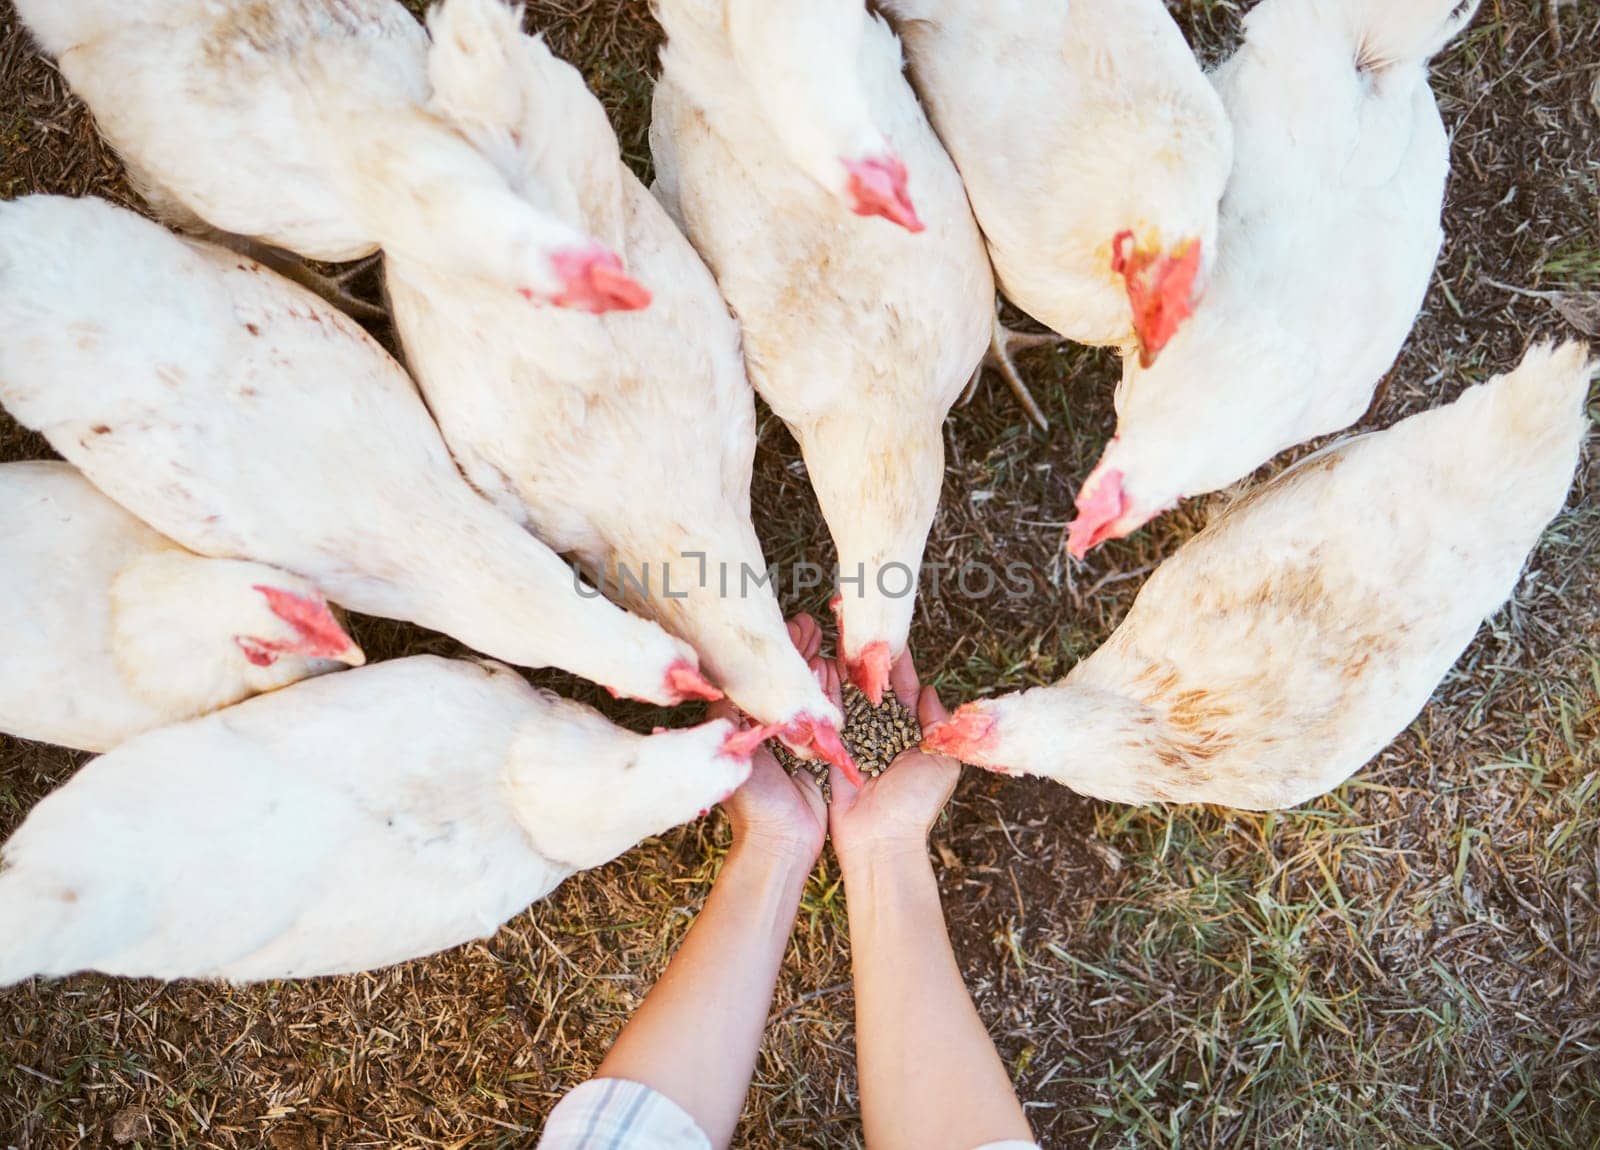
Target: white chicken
859, 335
803, 72
1328, 237
1290, 641
246, 418
112, 630
1093, 148
305, 124
624, 440
343, 824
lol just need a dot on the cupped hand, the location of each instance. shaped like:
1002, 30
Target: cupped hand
892, 814
772, 812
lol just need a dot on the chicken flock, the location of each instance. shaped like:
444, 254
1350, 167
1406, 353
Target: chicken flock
840, 192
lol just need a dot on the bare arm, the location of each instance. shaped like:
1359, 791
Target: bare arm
696, 1036
931, 1078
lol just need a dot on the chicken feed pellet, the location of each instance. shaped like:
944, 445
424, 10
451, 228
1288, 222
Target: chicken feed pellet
873, 735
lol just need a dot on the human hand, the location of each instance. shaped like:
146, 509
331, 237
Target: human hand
778, 815
891, 815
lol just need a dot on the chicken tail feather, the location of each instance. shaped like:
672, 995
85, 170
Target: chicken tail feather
472, 64
1514, 442
32, 922
1540, 404
1394, 33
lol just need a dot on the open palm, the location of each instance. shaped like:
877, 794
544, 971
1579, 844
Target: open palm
893, 812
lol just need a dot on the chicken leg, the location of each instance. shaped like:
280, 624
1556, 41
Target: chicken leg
171, 210
334, 287
1001, 347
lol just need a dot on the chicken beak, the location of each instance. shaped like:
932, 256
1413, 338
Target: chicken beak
1101, 504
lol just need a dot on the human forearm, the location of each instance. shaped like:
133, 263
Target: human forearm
696, 1036
930, 1076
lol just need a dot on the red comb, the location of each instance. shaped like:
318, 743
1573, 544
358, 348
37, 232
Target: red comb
877, 187
593, 281
1160, 289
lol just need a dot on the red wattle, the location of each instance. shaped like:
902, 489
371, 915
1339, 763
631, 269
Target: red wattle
877, 187
320, 636
618, 290
743, 744
870, 672
964, 735
1101, 503
592, 280
686, 682
822, 738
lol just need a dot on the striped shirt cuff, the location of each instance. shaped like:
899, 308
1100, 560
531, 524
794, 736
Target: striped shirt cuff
614, 1114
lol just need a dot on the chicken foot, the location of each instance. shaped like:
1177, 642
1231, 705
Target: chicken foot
1001, 348
334, 287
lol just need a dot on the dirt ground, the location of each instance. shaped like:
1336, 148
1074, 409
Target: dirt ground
1410, 961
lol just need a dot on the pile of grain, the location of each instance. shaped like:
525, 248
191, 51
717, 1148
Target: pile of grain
874, 736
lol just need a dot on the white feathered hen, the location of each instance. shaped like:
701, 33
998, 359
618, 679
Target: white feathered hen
342, 824
858, 334
625, 440
246, 418
1290, 641
1328, 237
305, 124
1093, 148
111, 630
803, 68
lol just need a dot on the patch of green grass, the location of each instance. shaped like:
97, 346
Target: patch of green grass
1576, 265
1272, 1008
